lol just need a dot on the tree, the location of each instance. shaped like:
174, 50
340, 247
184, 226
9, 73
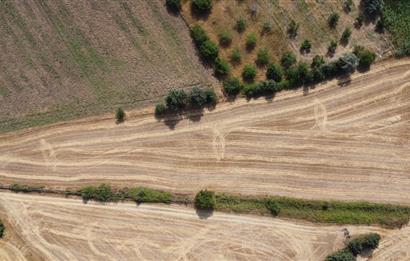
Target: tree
288, 59
211, 98
209, 51
225, 38
241, 25
341, 255
346, 35
274, 72
236, 56
176, 99
201, 7
348, 63
333, 20
272, 206
251, 41
198, 35
120, 115
372, 8
299, 74
317, 61
293, 28
263, 57
249, 72
174, 5
160, 109
205, 200
363, 243
366, 57
197, 97
232, 86
331, 49
221, 68
306, 46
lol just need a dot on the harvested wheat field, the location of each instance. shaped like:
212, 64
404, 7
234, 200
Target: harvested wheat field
68, 59
67, 229
333, 142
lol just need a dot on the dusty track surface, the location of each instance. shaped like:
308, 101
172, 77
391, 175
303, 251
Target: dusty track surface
348, 142
67, 229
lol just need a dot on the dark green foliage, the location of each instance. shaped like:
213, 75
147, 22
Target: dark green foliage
263, 57
251, 41
330, 70
397, 21
120, 115
225, 38
299, 74
341, 255
272, 206
25, 188
2, 229
306, 46
173, 5
198, 35
346, 35
331, 49
363, 243
101, 193
211, 98
288, 59
197, 97
359, 21
260, 89
249, 73
221, 68
205, 200
209, 51
366, 57
372, 8
160, 109
176, 100
141, 194
293, 29
232, 86
333, 20
235, 56
266, 27
347, 63
317, 61
201, 7
241, 25
274, 72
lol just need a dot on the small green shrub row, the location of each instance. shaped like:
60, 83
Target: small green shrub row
25, 188
357, 246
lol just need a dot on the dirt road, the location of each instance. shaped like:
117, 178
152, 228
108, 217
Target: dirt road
336, 142
67, 229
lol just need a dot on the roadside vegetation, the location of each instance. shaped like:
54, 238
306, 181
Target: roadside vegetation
2, 229
357, 246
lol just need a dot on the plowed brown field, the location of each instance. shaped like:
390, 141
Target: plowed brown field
336, 142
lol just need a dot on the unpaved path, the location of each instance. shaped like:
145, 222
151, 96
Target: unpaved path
348, 142
67, 229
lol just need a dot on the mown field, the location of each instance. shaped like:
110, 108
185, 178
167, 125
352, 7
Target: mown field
66, 59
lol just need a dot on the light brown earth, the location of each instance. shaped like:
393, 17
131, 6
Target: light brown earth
67, 229
335, 142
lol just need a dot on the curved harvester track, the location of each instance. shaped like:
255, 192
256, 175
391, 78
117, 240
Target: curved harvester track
349, 142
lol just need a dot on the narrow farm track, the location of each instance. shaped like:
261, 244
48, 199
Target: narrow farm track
334, 142
67, 229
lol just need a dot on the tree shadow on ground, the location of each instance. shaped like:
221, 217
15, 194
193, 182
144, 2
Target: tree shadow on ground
204, 214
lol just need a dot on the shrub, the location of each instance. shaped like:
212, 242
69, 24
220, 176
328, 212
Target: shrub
141, 194
251, 41
366, 57
274, 72
205, 199
221, 68
241, 25
232, 86
236, 56
176, 100
160, 109
330, 69
209, 51
249, 89
346, 35
198, 35
333, 20
197, 97
120, 115
249, 73
225, 38
347, 63
174, 5
211, 98
272, 206
101, 193
331, 49
363, 243
305, 46
288, 59
372, 8
358, 22
299, 74
2, 229
380, 25
266, 27
293, 29
317, 61
25, 188
263, 57
201, 7
341, 255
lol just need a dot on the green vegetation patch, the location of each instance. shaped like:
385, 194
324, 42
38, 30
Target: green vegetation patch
397, 19
2, 229
25, 188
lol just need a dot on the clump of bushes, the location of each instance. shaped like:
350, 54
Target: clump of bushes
232, 86
205, 200
347, 63
25, 188
209, 51
263, 57
141, 194
120, 115
249, 73
221, 68
198, 35
225, 38
293, 29
251, 41
372, 8
235, 56
288, 59
357, 246
272, 206
160, 109
274, 72
201, 7
240, 25
341, 255
101, 193
346, 35
173, 5
305, 46
333, 20
176, 100
366, 57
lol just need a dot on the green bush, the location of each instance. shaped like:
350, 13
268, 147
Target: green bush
211, 98
347, 63
331, 49
141, 194
359, 21
341, 255
263, 57
293, 29
2, 229
317, 61
261, 88
236, 56
372, 8
251, 41
272, 206
201, 7
101, 193
120, 115
174, 5
232, 86
366, 57
160, 109
288, 59
198, 35
176, 100
197, 97
274, 72
299, 74
241, 25
221, 68
363, 243
225, 38
346, 35
25, 188
205, 200
249, 73
305, 46
333, 20
209, 51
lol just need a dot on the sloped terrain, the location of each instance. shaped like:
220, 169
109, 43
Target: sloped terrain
68, 59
